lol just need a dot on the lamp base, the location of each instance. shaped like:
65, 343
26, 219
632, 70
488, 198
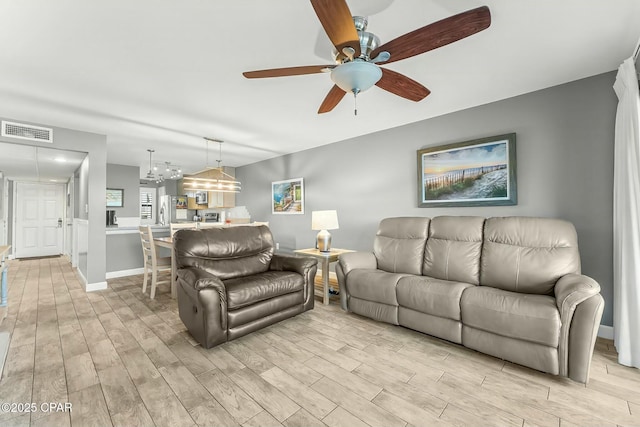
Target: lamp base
324, 241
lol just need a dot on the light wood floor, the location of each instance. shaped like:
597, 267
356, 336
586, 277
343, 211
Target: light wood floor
123, 359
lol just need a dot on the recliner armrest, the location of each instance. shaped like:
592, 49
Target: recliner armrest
294, 263
200, 279
305, 266
572, 289
352, 260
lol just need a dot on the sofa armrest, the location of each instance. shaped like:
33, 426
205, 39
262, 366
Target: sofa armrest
305, 266
352, 260
346, 263
200, 279
571, 291
298, 264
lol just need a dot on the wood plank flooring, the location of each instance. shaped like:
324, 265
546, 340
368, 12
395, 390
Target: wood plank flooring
122, 359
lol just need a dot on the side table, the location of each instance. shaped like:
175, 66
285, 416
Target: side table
324, 258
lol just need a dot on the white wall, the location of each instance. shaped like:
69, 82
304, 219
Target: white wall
564, 160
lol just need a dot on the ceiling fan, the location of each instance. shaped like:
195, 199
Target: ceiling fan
358, 53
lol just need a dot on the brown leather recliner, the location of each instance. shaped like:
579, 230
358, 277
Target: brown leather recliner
231, 283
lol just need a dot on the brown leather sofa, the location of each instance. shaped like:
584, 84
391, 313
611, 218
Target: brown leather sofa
509, 287
231, 283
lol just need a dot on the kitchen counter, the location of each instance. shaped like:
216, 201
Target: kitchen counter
134, 230
124, 250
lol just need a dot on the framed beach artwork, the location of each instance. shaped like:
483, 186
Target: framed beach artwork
287, 197
115, 197
481, 172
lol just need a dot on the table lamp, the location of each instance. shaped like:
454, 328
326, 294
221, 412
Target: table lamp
323, 221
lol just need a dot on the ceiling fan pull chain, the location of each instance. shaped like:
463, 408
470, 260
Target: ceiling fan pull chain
355, 102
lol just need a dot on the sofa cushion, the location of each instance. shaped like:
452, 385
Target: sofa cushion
244, 291
453, 248
528, 255
399, 244
431, 296
225, 252
526, 317
374, 285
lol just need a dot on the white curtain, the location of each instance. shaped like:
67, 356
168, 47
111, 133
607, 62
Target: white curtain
626, 217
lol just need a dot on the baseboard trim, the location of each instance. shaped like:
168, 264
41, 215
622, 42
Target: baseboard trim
81, 276
97, 286
606, 332
124, 273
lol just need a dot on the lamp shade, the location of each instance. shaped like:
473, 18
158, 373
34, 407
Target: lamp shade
356, 76
324, 220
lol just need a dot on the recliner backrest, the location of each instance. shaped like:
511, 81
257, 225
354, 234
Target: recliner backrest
453, 249
225, 252
528, 255
399, 244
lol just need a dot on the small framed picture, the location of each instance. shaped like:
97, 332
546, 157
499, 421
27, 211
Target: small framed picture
287, 197
115, 197
481, 172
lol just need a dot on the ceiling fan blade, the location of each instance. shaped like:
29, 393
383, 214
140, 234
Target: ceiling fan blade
288, 71
335, 17
402, 85
436, 35
332, 99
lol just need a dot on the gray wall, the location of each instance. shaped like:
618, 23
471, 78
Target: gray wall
124, 251
171, 187
127, 178
565, 139
95, 146
83, 200
83, 189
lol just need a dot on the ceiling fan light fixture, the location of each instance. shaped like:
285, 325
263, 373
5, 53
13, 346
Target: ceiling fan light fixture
356, 76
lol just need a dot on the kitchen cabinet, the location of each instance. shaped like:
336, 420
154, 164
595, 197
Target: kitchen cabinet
191, 204
221, 200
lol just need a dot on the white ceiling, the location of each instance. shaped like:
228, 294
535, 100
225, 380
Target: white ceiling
27, 163
162, 74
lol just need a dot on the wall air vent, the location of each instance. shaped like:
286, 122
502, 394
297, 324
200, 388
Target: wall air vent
30, 132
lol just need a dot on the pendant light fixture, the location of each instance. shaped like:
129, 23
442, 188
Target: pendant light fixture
150, 174
172, 171
212, 179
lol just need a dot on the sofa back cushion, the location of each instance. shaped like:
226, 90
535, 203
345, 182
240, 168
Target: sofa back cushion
528, 255
225, 252
453, 249
399, 244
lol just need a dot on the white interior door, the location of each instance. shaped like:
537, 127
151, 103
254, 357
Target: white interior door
39, 212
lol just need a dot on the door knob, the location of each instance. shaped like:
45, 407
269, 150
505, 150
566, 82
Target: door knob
59, 222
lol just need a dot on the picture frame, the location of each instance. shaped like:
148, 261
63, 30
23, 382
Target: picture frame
115, 197
480, 172
287, 197
181, 202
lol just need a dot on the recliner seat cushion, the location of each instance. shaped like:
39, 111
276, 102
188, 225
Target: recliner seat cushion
244, 291
453, 249
528, 255
526, 317
431, 296
374, 285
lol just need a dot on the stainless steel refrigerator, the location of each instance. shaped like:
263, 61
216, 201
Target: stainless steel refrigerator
174, 209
